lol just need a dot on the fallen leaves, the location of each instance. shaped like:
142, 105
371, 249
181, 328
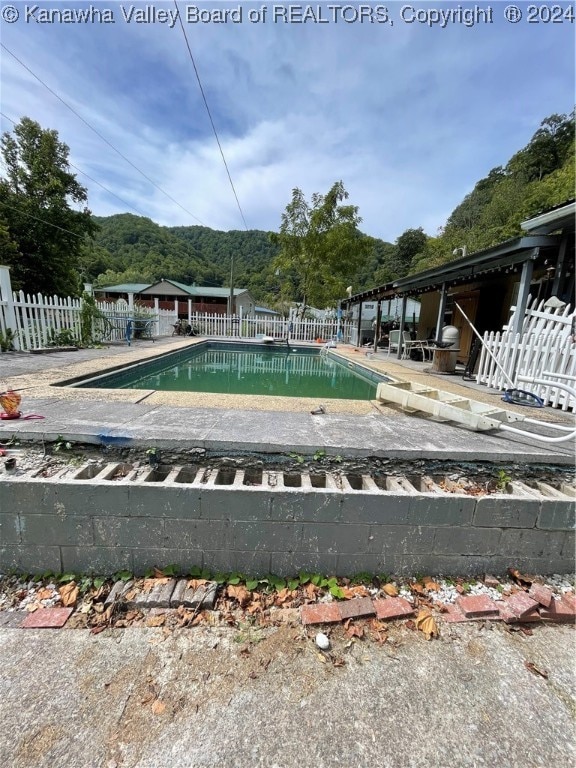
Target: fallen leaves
390, 589
239, 593
353, 630
426, 624
156, 620
69, 594
522, 579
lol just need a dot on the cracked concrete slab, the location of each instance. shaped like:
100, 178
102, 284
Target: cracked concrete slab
252, 698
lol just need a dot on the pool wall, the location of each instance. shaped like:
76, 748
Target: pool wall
105, 518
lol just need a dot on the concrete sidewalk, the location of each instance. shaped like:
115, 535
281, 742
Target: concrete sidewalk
263, 424
210, 698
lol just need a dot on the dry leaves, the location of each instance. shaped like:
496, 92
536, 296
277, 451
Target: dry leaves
155, 621
522, 579
45, 594
430, 585
240, 593
353, 630
195, 583
310, 591
390, 590
69, 594
426, 624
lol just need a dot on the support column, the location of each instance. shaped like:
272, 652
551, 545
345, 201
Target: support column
558, 274
9, 312
441, 310
377, 326
359, 329
157, 314
402, 322
524, 291
131, 302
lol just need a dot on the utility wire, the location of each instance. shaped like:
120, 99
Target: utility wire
42, 221
88, 177
208, 111
104, 139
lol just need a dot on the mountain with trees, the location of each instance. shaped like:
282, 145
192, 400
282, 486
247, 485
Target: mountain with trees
53, 243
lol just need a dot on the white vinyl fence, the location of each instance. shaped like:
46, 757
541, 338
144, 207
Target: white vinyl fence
40, 321
545, 344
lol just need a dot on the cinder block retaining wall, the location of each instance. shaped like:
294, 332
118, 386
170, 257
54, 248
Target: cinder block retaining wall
231, 520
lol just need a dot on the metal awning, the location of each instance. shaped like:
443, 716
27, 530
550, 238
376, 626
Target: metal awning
465, 269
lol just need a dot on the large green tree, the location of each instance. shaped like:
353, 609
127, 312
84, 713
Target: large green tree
37, 195
321, 248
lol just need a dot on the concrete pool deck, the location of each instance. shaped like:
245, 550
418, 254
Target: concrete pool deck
252, 423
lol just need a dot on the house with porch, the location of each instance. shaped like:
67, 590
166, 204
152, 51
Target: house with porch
488, 283
188, 299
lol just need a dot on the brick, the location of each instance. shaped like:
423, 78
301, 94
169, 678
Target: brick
520, 604
570, 599
158, 597
491, 581
476, 606
393, 608
47, 618
510, 618
359, 606
453, 614
321, 613
541, 594
559, 611
204, 595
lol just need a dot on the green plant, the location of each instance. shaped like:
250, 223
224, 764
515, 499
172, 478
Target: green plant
297, 457
502, 480
122, 576
320, 454
62, 338
92, 321
7, 340
62, 444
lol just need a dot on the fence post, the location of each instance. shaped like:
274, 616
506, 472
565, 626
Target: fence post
7, 297
157, 313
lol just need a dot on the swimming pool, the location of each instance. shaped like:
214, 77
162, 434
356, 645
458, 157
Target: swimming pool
245, 369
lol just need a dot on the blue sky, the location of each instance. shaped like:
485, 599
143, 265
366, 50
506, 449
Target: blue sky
409, 116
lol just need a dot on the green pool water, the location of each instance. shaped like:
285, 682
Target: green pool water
244, 369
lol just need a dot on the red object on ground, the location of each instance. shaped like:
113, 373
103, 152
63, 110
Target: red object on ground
392, 608
476, 606
321, 613
541, 594
520, 604
47, 618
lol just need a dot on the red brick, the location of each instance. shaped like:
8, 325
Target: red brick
453, 614
357, 607
511, 618
491, 581
393, 608
47, 618
559, 611
520, 604
321, 613
476, 606
570, 599
541, 594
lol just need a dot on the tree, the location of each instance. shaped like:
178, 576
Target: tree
321, 247
36, 197
409, 245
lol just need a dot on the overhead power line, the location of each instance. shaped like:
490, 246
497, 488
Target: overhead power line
42, 221
209, 113
100, 136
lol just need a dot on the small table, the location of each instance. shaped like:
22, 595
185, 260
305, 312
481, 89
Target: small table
442, 360
137, 327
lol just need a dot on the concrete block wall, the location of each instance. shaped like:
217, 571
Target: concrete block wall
277, 523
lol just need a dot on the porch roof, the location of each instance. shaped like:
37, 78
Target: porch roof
465, 269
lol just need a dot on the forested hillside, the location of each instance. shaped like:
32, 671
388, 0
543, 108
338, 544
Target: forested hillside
134, 249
